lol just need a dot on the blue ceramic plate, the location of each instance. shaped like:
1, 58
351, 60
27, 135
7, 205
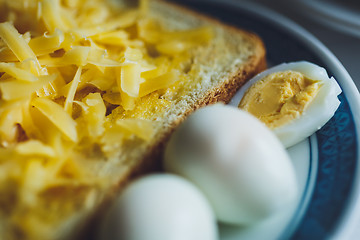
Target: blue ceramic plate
326, 163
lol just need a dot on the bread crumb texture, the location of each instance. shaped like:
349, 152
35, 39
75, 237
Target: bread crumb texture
89, 88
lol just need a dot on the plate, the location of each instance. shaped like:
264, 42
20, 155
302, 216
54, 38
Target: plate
326, 163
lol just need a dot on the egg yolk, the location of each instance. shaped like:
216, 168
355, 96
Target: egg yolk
280, 97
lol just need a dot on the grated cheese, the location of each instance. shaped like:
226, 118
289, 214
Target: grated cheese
17, 72
12, 89
51, 14
57, 115
78, 79
68, 105
35, 147
17, 44
130, 79
47, 43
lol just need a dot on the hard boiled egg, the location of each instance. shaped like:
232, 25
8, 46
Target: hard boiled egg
293, 99
161, 207
238, 163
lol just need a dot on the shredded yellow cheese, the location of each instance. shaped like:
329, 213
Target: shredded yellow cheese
47, 43
17, 72
52, 15
79, 79
35, 147
57, 115
130, 79
12, 89
140, 127
71, 94
15, 42
94, 114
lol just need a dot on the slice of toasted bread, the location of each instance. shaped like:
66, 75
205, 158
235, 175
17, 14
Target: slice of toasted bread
216, 71
232, 57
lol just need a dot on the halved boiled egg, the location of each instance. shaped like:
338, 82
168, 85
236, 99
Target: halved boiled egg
293, 99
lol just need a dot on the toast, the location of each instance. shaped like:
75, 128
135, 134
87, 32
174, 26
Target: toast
76, 141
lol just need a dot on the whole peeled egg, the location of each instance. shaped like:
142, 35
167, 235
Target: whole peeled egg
293, 99
161, 207
237, 162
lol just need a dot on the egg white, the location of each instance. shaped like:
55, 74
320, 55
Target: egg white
318, 112
161, 207
237, 162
